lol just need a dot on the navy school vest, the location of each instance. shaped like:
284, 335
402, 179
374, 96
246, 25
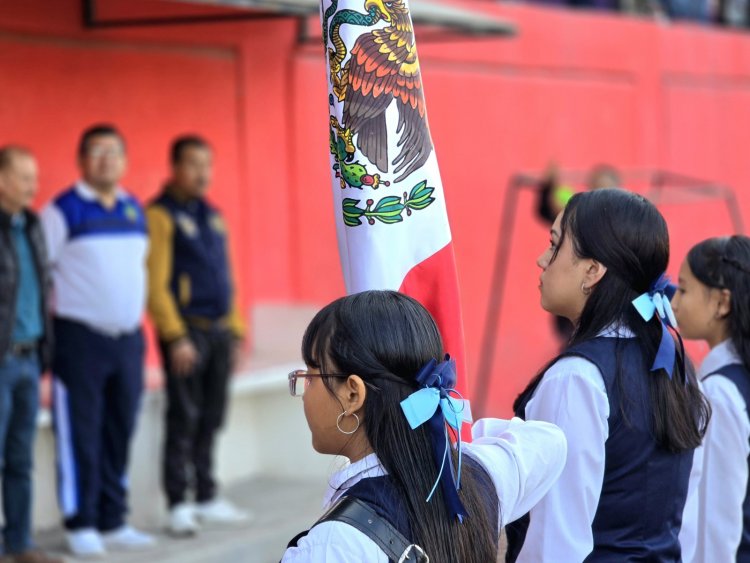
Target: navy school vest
740, 376
200, 258
645, 486
380, 494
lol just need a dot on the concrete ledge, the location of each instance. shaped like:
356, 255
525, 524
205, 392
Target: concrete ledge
272, 379
268, 379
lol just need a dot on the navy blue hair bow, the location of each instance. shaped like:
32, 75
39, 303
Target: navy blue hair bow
433, 404
657, 301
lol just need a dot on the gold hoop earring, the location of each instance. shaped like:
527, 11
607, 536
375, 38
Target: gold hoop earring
585, 290
338, 423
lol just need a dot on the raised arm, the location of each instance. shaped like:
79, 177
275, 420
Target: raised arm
524, 460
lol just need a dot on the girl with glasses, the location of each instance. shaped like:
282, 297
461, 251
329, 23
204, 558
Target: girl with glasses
629, 406
379, 391
713, 304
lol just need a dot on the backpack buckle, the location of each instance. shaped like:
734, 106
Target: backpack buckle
419, 555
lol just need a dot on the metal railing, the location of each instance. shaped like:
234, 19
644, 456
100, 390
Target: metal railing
661, 187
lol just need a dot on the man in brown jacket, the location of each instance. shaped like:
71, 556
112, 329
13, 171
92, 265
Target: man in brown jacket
192, 301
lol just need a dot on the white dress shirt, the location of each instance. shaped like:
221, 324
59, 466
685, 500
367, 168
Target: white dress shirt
523, 459
723, 484
688, 535
571, 395
99, 279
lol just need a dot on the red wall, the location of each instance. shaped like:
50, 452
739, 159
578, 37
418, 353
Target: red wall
573, 86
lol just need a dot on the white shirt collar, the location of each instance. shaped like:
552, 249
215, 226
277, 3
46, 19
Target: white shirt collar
350, 475
88, 193
617, 330
721, 355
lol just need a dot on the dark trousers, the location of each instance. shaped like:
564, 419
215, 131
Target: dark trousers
196, 404
98, 380
19, 403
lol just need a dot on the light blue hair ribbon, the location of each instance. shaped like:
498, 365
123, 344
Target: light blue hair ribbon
434, 405
657, 302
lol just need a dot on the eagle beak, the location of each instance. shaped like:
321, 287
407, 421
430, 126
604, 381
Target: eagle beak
379, 4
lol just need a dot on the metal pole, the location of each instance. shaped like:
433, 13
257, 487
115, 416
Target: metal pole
497, 289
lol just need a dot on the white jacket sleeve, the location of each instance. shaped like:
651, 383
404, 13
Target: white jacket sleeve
572, 396
688, 535
524, 459
725, 473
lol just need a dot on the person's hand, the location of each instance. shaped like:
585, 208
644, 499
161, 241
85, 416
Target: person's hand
183, 356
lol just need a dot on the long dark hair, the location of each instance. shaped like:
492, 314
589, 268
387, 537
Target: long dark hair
386, 338
724, 263
626, 233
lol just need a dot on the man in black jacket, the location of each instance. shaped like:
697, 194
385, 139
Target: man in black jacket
24, 346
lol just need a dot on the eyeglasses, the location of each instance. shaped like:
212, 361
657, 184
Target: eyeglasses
99, 151
300, 379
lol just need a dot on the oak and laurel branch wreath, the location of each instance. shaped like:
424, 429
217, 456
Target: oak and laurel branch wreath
352, 173
389, 209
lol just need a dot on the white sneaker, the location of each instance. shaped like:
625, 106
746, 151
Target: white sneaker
86, 542
220, 511
127, 538
182, 522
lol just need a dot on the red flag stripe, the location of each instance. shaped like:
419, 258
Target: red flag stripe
434, 283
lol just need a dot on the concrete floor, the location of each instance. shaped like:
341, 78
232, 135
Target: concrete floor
281, 509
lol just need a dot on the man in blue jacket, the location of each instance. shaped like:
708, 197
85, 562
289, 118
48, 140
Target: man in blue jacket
97, 243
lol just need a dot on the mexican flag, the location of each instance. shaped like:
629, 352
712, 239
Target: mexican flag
391, 218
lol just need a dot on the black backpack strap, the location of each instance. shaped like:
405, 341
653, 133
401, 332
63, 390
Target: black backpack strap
360, 515
295, 539
363, 517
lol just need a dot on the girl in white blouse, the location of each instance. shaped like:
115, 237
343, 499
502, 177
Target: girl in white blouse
632, 413
713, 304
376, 391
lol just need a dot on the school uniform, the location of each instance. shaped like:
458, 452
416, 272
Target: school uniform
521, 459
97, 255
620, 497
723, 520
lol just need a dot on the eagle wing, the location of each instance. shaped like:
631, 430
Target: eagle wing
383, 66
